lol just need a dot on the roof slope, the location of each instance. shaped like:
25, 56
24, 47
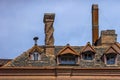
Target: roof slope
50, 60
24, 59
4, 61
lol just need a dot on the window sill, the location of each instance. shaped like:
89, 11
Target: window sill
68, 64
112, 65
87, 60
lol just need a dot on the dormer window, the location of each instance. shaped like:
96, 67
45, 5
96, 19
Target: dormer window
35, 56
111, 58
88, 52
68, 59
67, 56
88, 55
110, 55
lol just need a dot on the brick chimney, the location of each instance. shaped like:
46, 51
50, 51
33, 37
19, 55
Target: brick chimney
49, 30
95, 24
108, 37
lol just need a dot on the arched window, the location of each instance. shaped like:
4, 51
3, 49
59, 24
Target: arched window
111, 58
36, 56
88, 55
68, 59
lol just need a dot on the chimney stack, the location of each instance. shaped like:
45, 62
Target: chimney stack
95, 24
49, 30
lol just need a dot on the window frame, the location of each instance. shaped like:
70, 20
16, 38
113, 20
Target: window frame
88, 54
115, 59
35, 56
67, 57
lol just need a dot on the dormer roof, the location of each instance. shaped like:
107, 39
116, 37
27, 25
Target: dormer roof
115, 48
35, 49
67, 49
88, 47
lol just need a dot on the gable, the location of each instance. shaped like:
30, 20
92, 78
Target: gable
88, 47
35, 48
115, 48
67, 49
111, 50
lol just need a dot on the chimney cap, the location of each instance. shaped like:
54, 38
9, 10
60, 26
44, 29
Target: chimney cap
49, 17
95, 6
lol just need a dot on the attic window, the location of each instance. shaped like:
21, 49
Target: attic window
68, 59
111, 58
35, 56
88, 55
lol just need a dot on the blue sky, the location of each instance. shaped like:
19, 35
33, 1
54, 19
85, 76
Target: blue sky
21, 20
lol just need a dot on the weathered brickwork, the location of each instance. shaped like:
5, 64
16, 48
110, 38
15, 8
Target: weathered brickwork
108, 37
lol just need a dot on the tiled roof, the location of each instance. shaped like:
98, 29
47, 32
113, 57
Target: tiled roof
46, 60
4, 61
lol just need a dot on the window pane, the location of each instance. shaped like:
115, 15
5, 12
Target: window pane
111, 58
36, 56
67, 59
88, 55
